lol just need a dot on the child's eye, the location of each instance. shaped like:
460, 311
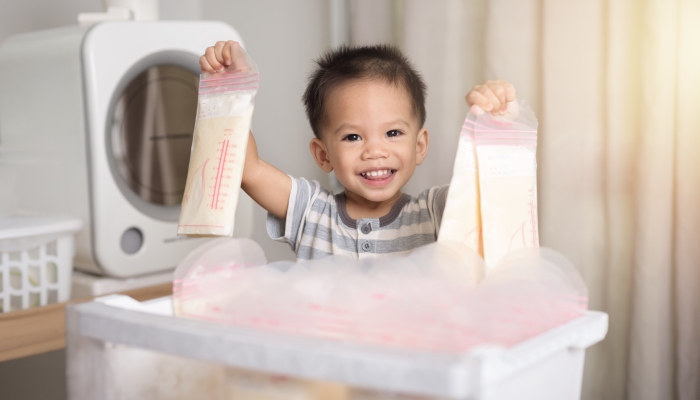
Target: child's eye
393, 133
352, 137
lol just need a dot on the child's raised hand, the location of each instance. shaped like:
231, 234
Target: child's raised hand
223, 55
492, 96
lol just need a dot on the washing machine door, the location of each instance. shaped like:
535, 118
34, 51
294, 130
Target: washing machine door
152, 122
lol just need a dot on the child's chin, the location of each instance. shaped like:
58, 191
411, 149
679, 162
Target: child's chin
379, 196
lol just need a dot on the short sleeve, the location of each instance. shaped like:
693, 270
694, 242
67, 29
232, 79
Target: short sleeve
288, 230
436, 203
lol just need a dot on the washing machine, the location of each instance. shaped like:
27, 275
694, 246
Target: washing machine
97, 122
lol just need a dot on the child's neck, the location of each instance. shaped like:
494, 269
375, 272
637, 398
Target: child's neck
358, 207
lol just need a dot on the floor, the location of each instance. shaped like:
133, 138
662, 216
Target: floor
34, 378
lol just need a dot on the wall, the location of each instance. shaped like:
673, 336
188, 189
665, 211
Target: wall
17, 16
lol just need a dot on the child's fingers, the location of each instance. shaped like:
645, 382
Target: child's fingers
237, 55
218, 48
499, 90
222, 55
226, 52
492, 96
472, 98
230, 53
477, 98
495, 103
204, 65
476, 110
212, 60
510, 90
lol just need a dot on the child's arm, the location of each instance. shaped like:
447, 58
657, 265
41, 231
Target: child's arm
492, 96
265, 184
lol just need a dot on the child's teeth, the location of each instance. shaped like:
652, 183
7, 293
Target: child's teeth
376, 173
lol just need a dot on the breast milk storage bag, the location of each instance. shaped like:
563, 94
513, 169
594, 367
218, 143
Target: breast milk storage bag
224, 111
502, 185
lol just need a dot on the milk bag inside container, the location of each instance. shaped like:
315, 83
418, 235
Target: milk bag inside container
224, 111
432, 299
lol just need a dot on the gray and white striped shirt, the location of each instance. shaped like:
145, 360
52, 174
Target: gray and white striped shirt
317, 224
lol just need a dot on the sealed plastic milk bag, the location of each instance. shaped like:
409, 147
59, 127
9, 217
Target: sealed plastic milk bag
224, 111
495, 173
215, 261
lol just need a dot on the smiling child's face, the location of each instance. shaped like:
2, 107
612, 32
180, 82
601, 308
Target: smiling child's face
371, 138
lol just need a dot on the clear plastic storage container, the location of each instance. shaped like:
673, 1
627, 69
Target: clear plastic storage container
119, 348
36, 261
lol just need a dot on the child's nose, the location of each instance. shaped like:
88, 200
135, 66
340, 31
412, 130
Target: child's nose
374, 150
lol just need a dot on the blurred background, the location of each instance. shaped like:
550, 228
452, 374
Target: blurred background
616, 87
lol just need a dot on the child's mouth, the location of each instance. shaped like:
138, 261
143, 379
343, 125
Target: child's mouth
379, 177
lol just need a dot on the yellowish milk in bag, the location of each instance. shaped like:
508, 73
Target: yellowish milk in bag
461, 220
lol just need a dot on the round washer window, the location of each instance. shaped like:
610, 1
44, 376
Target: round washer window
151, 133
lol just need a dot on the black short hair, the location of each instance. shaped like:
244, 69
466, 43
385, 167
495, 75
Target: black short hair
345, 63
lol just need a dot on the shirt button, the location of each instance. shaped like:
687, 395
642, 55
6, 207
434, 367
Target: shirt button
366, 228
366, 246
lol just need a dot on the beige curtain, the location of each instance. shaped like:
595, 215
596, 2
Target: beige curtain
616, 86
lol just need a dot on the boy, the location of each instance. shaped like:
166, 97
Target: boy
366, 107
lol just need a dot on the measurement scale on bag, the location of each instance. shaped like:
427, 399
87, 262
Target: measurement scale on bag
532, 211
220, 181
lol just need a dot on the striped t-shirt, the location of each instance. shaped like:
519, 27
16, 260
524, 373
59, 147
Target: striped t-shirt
317, 224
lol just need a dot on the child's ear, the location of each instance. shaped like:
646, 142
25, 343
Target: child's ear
422, 143
320, 154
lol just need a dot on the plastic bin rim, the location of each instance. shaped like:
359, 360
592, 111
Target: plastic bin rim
17, 227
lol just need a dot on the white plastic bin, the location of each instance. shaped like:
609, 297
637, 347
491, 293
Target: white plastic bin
36, 261
121, 349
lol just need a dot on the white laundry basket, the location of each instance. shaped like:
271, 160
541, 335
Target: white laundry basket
36, 261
